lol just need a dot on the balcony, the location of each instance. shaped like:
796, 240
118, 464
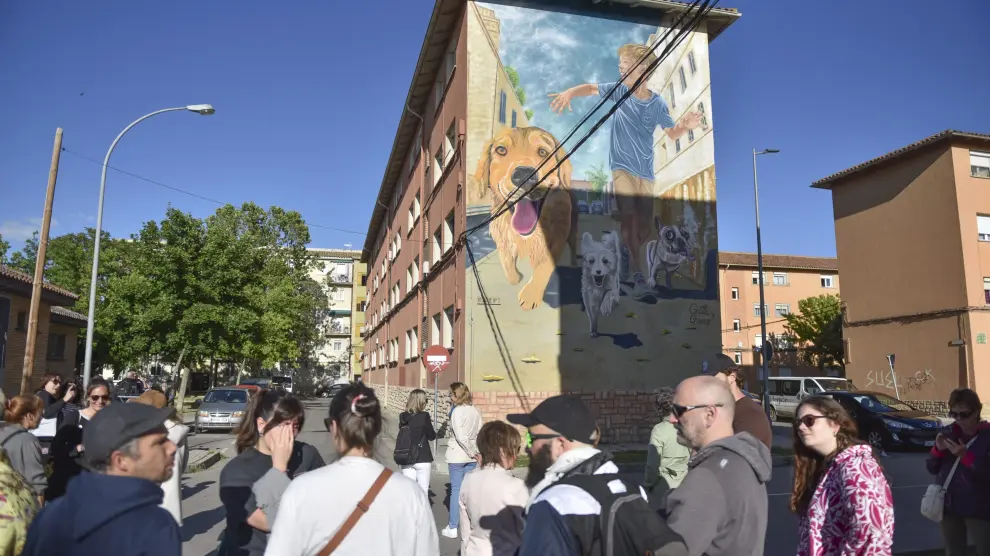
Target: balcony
334, 330
339, 278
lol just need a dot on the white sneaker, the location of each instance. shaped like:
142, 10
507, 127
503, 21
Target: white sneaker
449, 533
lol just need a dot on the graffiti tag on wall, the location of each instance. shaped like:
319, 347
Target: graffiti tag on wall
886, 379
700, 314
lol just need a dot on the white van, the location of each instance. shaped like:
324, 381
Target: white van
786, 392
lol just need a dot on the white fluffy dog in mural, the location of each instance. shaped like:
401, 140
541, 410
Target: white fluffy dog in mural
599, 276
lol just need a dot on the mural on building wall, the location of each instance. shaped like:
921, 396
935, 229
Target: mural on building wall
609, 257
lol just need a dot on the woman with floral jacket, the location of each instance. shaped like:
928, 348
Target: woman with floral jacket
840, 492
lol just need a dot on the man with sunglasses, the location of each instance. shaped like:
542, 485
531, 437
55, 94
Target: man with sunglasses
720, 508
574, 486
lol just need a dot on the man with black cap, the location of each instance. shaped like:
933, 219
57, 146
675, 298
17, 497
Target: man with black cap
114, 507
574, 485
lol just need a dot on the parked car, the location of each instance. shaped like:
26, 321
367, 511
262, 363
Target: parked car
330, 390
886, 422
786, 392
582, 206
259, 382
222, 408
597, 207
283, 382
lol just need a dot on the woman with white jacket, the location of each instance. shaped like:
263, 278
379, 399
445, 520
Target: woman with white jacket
492, 500
177, 432
462, 448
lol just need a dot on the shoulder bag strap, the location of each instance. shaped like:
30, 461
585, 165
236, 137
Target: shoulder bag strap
359, 511
948, 478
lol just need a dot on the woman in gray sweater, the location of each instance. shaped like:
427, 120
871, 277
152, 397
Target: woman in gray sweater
24, 413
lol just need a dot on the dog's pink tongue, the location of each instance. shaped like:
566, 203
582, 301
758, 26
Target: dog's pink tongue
524, 218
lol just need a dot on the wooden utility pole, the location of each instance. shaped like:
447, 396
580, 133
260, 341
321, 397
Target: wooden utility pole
39, 269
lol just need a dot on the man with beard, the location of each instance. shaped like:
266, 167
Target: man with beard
720, 508
574, 485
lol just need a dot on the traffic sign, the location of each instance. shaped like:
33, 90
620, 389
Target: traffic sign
437, 358
767, 351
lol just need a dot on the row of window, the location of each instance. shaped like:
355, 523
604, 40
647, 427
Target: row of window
683, 80
442, 333
979, 164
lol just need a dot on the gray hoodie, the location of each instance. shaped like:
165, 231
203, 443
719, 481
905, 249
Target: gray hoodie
24, 451
721, 506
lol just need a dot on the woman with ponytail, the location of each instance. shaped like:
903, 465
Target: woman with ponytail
840, 493
320, 512
268, 457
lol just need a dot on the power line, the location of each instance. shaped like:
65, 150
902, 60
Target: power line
191, 194
702, 11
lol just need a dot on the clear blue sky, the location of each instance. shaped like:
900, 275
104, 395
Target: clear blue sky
308, 95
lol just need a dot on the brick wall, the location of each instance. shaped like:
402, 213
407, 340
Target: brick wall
624, 416
17, 343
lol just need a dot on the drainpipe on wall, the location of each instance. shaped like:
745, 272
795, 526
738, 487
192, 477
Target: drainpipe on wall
421, 294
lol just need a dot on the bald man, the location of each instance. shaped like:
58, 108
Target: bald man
721, 506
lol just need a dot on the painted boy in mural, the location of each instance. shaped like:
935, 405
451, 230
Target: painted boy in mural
631, 153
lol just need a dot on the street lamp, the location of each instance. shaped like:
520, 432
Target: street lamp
759, 265
202, 109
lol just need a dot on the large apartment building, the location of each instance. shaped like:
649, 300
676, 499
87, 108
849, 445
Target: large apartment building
485, 237
787, 279
343, 274
912, 233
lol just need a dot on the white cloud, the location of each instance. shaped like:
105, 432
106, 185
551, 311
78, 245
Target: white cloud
20, 230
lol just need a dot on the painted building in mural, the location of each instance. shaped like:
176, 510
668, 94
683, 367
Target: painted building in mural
589, 269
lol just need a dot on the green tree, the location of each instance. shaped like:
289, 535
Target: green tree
24, 260
4, 247
598, 178
817, 330
517, 88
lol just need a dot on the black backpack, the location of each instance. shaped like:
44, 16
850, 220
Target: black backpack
626, 526
406, 451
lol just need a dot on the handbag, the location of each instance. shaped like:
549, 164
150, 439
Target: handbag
360, 510
933, 502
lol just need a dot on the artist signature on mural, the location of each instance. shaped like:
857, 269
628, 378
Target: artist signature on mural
886, 379
482, 300
700, 314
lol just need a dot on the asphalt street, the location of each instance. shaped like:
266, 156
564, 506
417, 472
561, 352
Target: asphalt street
204, 516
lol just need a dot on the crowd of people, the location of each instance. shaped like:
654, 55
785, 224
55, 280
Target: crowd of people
112, 477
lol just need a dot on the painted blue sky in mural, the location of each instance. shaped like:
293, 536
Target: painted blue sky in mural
554, 51
308, 96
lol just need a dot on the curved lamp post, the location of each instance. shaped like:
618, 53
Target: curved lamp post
763, 307
202, 109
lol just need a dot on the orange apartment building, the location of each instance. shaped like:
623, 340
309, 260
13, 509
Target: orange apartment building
442, 244
58, 328
912, 233
787, 280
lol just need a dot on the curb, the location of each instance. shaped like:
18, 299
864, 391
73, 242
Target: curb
211, 458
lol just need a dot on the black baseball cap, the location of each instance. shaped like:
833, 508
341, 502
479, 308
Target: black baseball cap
720, 363
564, 414
116, 425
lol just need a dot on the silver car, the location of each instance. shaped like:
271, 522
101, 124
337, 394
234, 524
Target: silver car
222, 408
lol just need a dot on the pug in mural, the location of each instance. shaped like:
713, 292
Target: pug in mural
675, 247
599, 276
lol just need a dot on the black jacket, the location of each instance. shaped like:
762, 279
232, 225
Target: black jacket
105, 514
421, 427
52, 406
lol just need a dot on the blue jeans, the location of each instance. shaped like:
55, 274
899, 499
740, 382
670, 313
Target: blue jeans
457, 472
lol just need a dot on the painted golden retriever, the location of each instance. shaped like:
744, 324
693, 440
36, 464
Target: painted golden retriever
542, 219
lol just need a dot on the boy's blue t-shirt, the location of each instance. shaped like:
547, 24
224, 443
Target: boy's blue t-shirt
632, 130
